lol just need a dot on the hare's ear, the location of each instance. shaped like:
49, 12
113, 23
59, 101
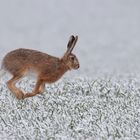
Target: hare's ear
72, 38
71, 44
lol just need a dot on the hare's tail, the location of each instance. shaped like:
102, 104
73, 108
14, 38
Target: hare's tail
2, 72
2, 69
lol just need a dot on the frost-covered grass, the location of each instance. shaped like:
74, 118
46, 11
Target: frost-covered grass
77, 109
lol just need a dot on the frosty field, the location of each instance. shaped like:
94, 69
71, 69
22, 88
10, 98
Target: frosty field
78, 109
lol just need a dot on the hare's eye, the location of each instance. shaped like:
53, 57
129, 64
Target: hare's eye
72, 58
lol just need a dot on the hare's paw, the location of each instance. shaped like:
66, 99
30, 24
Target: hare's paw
26, 95
29, 95
19, 95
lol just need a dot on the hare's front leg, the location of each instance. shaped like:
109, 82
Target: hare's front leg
38, 88
42, 87
11, 85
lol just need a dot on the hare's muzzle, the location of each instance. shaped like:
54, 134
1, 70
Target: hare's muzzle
77, 66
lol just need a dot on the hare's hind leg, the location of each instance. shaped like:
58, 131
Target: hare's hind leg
11, 85
38, 89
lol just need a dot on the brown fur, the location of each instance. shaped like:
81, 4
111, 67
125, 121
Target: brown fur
47, 68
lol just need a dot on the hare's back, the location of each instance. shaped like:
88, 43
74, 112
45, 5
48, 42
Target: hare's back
20, 59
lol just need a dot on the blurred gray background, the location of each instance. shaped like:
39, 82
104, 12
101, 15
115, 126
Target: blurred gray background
109, 31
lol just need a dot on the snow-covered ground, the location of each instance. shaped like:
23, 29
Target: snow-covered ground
99, 101
78, 109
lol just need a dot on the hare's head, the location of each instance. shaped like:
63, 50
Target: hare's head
69, 58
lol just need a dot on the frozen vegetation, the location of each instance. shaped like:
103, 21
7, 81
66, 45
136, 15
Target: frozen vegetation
78, 109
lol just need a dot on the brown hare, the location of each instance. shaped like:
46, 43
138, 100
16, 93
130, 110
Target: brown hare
47, 68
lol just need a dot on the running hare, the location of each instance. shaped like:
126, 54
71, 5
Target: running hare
47, 68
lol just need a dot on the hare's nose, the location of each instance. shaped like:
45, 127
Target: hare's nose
77, 66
